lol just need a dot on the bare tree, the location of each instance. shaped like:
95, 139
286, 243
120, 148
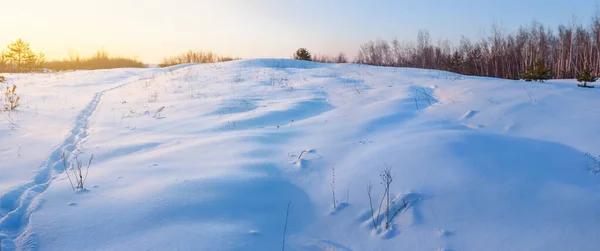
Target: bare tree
341, 58
566, 52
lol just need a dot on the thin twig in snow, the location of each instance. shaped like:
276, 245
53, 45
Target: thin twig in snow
300, 156
287, 214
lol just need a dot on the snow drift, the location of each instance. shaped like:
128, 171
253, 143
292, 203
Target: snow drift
207, 157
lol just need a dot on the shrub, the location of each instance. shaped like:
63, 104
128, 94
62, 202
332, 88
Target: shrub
302, 54
76, 177
391, 207
2, 79
11, 99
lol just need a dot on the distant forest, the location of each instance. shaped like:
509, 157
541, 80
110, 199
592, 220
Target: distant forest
565, 51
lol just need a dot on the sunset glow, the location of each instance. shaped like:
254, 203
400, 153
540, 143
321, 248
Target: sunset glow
153, 29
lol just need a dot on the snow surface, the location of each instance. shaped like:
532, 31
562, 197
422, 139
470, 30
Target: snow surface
207, 157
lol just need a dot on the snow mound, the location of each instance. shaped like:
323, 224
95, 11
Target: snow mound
209, 156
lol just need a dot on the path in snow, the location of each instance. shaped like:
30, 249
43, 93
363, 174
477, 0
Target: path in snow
16, 206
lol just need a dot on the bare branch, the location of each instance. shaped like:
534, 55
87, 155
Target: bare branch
287, 214
369, 189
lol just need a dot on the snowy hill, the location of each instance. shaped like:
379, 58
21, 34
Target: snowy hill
207, 157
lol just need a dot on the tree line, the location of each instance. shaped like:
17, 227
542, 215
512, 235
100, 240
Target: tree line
566, 52
194, 57
18, 57
304, 54
99, 60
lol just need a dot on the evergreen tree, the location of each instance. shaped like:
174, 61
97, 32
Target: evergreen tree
455, 63
528, 75
538, 73
586, 77
302, 54
20, 56
473, 60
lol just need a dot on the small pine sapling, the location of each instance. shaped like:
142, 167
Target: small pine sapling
586, 77
539, 72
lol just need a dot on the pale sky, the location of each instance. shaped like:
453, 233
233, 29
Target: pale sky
152, 29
